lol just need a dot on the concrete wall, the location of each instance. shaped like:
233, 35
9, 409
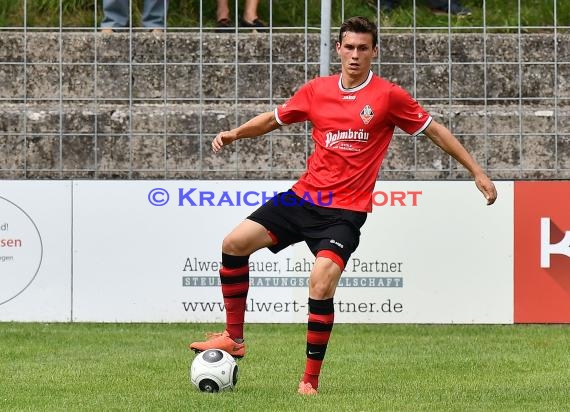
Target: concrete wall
107, 106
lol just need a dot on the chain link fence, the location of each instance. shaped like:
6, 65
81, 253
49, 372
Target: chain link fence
141, 104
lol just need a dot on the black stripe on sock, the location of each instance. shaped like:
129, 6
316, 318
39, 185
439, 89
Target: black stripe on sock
238, 295
232, 280
319, 327
316, 352
234, 262
321, 307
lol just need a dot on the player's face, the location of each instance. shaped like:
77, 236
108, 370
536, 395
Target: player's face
356, 53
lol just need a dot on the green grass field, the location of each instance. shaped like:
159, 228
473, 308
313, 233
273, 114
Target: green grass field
136, 367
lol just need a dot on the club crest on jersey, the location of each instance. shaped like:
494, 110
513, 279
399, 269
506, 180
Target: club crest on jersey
366, 114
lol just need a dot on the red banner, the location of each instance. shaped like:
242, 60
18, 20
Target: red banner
542, 252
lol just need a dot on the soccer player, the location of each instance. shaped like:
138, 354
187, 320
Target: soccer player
353, 115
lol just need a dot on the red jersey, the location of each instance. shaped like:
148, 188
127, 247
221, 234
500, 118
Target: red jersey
352, 129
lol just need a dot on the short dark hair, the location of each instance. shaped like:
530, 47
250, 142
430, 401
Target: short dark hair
359, 24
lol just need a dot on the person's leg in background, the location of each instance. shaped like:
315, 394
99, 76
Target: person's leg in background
250, 17
223, 19
154, 14
115, 15
250, 11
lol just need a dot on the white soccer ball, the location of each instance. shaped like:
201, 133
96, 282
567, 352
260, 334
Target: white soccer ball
214, 370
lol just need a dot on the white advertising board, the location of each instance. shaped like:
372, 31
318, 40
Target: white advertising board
149, 251
453, 252
35, 251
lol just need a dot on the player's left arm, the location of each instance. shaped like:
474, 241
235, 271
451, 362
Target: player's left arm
442, 137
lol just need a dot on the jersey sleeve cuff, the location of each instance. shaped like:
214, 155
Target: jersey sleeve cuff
421, 129
281, 122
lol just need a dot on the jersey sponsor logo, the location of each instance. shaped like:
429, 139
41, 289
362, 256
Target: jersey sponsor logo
349, 97
340, 136
367, 114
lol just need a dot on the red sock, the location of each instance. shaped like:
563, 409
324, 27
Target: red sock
234, 276
319, 327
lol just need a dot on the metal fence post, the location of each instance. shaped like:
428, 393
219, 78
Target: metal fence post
325, 37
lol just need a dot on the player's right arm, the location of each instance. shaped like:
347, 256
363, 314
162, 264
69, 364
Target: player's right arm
258, 126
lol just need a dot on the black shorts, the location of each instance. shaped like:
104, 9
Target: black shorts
291, 219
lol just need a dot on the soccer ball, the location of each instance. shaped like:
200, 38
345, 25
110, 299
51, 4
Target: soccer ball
214, 370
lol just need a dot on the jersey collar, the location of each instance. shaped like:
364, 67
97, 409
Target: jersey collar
357, 88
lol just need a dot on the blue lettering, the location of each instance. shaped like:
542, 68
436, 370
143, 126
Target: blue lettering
307, 198
225, 198
206, 197
182, 196
293, 201
320, 200
265, 198
247, 202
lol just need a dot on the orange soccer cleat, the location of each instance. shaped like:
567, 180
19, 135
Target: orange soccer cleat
220, 341
306, 389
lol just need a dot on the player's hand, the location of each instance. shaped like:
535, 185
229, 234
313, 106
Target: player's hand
487, 187
222, 139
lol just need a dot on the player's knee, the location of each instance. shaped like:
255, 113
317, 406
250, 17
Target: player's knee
321, 289
233, 245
